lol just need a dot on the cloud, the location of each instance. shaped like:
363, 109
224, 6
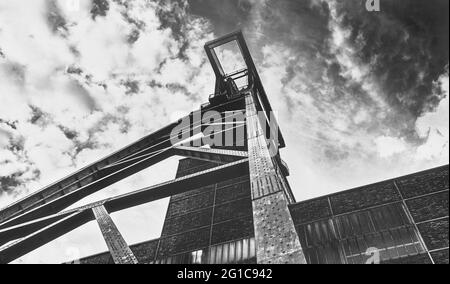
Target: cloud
389, 146
354, 90
76, 65
84, 81
437, 119
434, 126
361, 96
405, 47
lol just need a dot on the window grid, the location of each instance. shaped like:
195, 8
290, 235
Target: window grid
228, 253
348, 238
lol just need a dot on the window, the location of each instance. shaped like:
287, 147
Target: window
354, 238
242, 251
234, 252
232, 62
230, 57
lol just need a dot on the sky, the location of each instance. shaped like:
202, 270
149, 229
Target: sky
361, 96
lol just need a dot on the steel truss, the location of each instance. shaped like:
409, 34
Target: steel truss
43, 216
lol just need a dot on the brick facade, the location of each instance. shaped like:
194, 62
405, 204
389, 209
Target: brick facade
220, 213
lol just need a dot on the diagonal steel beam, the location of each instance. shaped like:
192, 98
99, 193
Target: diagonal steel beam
23, 230
194, 127
105, 177
41, 227
145, 195
211, 155
80, 178
180, 185
135, 198
60, 202
158, 140
119, 249
44, 236
145, 154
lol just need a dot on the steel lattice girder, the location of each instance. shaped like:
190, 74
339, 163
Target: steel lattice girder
119, 249
255, 86
31, 219
211, 155
64, 201
270, 198
38, 232
37, 228
103, 176
44, 236
157, 141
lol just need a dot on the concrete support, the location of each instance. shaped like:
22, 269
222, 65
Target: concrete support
276, 239
117, 246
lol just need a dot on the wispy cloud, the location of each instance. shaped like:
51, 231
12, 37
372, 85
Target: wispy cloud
78, 65
361, 96
78, 84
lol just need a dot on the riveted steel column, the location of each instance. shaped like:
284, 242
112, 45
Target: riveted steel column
277, 241
117, 246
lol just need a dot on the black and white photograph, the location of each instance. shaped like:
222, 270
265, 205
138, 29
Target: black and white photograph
224, 138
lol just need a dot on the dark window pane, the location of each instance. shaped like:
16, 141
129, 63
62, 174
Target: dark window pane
362, 244
347, 226
326, 232
378, 220
390, 244
365, 223
385, 229
384, 255
317, 234
401, 249
408, 241
301, 235
313, 256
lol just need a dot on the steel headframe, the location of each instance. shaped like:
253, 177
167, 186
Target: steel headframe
40, 218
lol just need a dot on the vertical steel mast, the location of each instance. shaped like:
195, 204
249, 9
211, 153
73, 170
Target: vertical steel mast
43, 216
